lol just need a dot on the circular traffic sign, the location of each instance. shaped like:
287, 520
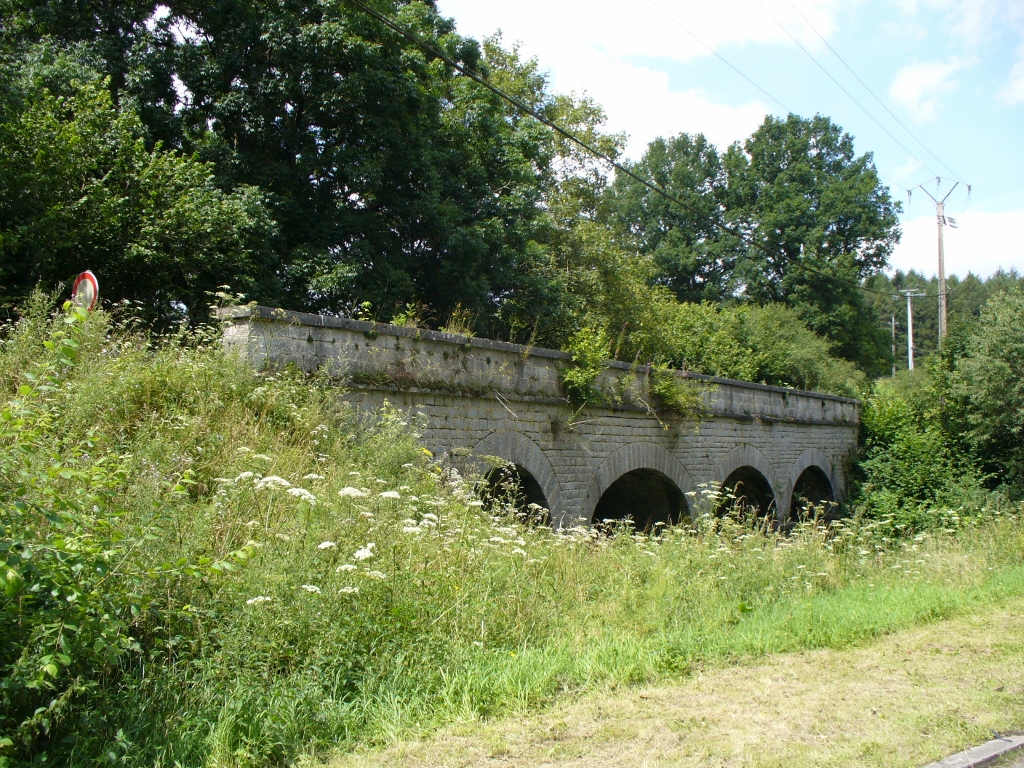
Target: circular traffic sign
86, 291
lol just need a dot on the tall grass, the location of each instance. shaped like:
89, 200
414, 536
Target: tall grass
382, 599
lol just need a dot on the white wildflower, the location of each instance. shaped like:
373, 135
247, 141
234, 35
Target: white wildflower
258, 599
345, 567
243, 476
414, 529
497, 540
348, 591
390, 495
428, 523
405, 488
243, 449
518, 551
408, 466
375, 575
368, 515
226, 480
326, 545
409, 521
311, 588
355, 474
349, 491
430, 516
304, 495
313, 476
262, 457
272, 481
365, 553
475, 503
283, 536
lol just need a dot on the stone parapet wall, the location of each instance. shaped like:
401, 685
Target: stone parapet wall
481, 398
387, 356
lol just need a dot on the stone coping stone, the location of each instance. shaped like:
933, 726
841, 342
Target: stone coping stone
364, 326
984, 754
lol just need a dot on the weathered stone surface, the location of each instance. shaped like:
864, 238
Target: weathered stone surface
488, 398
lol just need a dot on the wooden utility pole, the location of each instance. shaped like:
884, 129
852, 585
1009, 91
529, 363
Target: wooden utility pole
943, 221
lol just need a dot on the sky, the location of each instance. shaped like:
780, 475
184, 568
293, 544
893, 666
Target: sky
939, 83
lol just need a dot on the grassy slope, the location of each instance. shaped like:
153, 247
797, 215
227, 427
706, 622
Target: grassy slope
904, 701
459, 614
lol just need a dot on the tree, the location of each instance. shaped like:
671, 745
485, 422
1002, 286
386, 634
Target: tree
79, 189
791, 216
823, 222
694, 256
391, 177
989, 382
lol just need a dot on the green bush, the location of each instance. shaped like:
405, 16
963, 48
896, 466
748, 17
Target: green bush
989, 383
911, 472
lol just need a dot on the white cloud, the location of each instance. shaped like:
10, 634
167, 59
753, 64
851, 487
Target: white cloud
918, 87
610, 52
1013, 91
982, 243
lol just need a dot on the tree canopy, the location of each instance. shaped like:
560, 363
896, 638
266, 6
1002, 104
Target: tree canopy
322, 161
811, 220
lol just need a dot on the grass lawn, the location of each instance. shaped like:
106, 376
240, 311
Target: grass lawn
905, 700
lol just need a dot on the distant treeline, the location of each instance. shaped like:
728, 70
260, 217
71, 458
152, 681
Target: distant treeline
966, 298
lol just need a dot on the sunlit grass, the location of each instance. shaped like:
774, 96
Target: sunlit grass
383, 600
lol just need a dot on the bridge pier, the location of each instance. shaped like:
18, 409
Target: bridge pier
483, 402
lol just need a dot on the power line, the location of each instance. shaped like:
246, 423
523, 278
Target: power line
840, 86
715, 53
742, 74
434, 50
868, 89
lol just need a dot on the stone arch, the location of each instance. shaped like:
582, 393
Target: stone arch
630, 458
815, 460
747, 456
516, 448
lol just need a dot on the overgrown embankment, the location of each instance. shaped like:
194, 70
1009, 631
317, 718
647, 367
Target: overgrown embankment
205, 566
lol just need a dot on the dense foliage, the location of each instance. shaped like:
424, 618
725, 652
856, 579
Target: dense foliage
201, 565
79, 187
812, 211
311, 158
950, 436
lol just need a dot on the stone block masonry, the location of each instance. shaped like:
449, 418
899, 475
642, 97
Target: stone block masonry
480, 399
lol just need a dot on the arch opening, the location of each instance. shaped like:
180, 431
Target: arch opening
646, 497
513, 486
747, 492
812, 489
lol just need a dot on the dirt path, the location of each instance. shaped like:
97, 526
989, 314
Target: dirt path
903, 701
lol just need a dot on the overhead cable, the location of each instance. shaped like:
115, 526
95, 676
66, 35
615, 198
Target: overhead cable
868, 89
840, 86
715, 53
519, 104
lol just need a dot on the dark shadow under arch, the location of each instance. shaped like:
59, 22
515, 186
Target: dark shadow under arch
514, 486
746, 489
813, 488
647, 497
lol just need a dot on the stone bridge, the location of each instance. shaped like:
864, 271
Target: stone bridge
485, 402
